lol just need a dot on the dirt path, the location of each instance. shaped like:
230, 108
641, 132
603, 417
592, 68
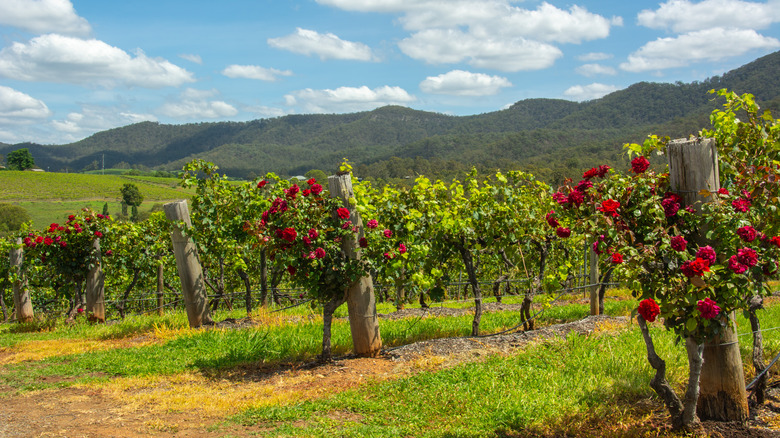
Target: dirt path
162, 406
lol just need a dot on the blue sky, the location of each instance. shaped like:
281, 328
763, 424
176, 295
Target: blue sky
70, 68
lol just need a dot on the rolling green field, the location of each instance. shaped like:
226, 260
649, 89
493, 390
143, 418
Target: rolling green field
51, 197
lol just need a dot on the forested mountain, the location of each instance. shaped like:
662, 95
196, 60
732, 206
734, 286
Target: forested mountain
549, 137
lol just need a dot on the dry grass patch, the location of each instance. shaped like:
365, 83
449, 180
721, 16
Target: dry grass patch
42, 349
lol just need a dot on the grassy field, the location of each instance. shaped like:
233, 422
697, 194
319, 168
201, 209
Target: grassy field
51, 197
577, 386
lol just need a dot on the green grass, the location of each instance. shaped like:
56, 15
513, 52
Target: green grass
51, 197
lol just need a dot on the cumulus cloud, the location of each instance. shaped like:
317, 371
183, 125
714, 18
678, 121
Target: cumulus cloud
595, 70
489, 33
58, 58
17, 107
682, 16
192, 58
594, 56
326, 46
198, 104
464, 83
439, 46
347, 99
43, 16
589, 92
254, 72
95, 118
704, 45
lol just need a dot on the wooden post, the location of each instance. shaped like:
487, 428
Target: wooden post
693, 166
22, 303
193, 287
594, 280
361, 303
96, 297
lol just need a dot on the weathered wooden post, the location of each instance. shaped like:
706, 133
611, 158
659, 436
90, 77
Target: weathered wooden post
594, 281
160, 285
193, 286
96, 296
24, 309
361, 303
693, 167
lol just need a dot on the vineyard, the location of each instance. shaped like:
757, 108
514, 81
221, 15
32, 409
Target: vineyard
694, 247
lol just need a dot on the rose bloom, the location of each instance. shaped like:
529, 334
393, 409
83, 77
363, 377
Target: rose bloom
695, 268
583, 185
292, 191
319, 253
48, 241
288, 234
776, 241
313, 234
388, 256
617, 258
343, 213
363, 242
747, 256
592, 172
551, 221
560, 198
679, 243
708, 309
736, 266
603, 170
372, 224
747, 233
576, 197
262, 184
98, 234
306, 240
387, 233
649, 309
63, 244
639, 164
706, 253
291, 270
311, 181
306, 192
609, 207
316, 189
723, 192
402, 248
741, 205
563, 232
39, 239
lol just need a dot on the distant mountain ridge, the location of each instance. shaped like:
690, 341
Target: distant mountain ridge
543, 135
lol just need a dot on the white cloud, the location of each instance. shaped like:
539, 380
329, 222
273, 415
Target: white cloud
95, 118
704, 45
347, 99
43, 16
589, 92
437, 46
254, 72
595, 69
197, 104
463, 83
594, 56
266, 111
192, 58
17, 107
682, 16
489, 33
57, 58
326, 46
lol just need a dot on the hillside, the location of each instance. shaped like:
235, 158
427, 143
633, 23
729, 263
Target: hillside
550, 136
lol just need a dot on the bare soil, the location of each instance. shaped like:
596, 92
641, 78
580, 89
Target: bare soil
147, 409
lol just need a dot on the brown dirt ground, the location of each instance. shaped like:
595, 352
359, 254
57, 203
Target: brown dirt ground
149, 407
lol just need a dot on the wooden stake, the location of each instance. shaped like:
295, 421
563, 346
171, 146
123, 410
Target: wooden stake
96, 297
24, 309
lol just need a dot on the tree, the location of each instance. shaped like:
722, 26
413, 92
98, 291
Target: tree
12, 217
20, 159
131, 195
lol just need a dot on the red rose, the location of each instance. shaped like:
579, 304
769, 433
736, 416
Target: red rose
576, 197
48, 241
617, 258
639, 164
319, 253
671, 204
776, 241
583, 186
560, 198
306, 192
39, 239
551, 221
708, 309
706, 253
609, 207
741, 205
288, 234
401, 248
311, 181
603, 170
372, 224
563, 232
291, 270
649, 309
747, 256
363, 242
695, 268
316, 189
387, 233
679, 243
98, 234
292, 191
389, 255
343, 213
723, 192
747, 233
736, 266
592, 172
313, 234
